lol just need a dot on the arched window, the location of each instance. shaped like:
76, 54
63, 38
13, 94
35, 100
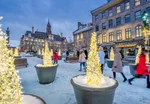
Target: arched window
138, 31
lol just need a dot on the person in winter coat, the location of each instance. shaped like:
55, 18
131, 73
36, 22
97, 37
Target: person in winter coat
86, 53
141, 68
101, 55
56, 57
82, 60
117, 65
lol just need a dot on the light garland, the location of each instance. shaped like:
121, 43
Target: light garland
16, 52
112, 55
147, 56
59, 52
47, 59
10, 87
138, 54
94, 74
126, 45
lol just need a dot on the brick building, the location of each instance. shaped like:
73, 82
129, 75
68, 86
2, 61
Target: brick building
36, 40
118, 23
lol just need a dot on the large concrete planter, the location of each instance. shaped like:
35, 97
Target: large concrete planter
31, 99
60, 57
46, 75
87, 95
132, 69
109, 63
39, 56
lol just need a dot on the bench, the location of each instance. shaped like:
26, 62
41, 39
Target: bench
72, 59
19, 62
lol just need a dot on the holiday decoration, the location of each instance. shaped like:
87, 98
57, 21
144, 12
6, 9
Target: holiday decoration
47, 59
93, 66
147, 56
16, 52
138, 54
112, 54
10, 88
59, 52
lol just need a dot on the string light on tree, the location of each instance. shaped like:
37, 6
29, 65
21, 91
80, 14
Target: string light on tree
138, 54
112, 54
16, 52
94, 74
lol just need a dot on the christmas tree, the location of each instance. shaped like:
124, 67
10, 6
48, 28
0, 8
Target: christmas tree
147, 56
47, 59
52, 52
138, 54
43, 51
39, 52
94, 74
59, 52
10, 88
112, 54
16, 52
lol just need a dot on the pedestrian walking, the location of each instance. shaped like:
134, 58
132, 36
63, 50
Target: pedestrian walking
56, 57
101, 55
86, 53
141, 68
67, 55
82, 60
117, 65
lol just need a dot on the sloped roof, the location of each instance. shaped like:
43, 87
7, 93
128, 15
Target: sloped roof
83, 30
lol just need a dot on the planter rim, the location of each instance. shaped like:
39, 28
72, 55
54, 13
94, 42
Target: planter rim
45, 66
109, 60
93, 89
36, 97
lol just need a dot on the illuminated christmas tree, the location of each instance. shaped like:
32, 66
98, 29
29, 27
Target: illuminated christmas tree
147, 56
52, 52
10, 88
16, 52
43, 52
94, 74
39, 52
59, 52
112, 55
47, 59
138, 54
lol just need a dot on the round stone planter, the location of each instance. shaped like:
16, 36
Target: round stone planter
60, 57
32, 99
89, 95
46, 75
132, 69
17, 56
39, 56
109, 63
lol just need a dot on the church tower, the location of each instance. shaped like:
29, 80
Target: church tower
8, 34
48, 28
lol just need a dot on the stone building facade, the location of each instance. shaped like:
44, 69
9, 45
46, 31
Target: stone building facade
118, 23
33, 41
82, 36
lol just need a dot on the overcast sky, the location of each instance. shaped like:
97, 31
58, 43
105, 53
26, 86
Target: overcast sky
21, 15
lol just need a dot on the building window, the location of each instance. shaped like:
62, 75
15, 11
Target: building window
104, 37
96, 17
148, 10
111, 37
127, 5
81, 36
104, 26
103, 15
97, 28
128, 33
127, 18
137, 2
110, 12
118, 21
138, 31
137, 15
119, 35
118, 9
110, 23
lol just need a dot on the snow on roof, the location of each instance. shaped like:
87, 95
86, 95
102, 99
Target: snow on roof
84, 29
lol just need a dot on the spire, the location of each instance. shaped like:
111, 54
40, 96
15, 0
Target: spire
48, 27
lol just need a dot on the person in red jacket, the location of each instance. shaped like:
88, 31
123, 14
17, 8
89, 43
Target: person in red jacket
141, 68
56, 57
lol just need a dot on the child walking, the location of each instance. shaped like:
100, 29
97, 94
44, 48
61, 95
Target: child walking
82, 60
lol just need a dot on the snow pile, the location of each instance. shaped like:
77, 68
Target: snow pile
106, 82
27, 99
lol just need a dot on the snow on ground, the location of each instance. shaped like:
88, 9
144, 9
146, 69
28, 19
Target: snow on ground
61, 91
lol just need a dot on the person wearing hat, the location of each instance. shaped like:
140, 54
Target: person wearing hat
82, 60
117, 65
141, 68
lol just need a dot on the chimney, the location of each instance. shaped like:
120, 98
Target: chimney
32, 29
79, 24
